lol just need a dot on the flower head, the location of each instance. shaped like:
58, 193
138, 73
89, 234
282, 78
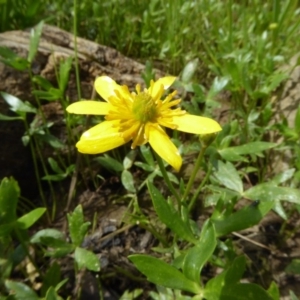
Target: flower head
138, 117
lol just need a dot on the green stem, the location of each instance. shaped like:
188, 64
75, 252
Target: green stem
76, 50
194, 173
20, 237
167, 179
155, 233
193, 201
45, 170
36, 170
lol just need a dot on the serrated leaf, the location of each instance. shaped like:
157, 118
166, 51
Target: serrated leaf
270, 192
87, 259
77, 227
169, 216
161, 273
9, 194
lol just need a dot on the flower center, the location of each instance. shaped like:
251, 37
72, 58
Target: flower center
144, 108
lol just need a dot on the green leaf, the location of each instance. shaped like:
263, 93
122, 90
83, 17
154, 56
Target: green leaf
52, 140
127, 181
189, 70
273, 291
64, 72
242, 291
8, 57
283, 177
21, 291
169, 216
29, 219
8, 118
77, 227
270, 192
51, 278
9, 194
87, 259
58, 248
243, 218
42, 82
50, 232
293, 267
217, 86
293, 296
228, 277
229, 177
144, 166
131, 295
52, 295
161, 273
147, 154
198, 255
54, 166
52, 94
35, 35
57, 177
110, 163
5, 229
17, 105
129, 159
234, 153
297, 121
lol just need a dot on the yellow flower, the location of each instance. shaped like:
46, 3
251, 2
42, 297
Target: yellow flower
138, 116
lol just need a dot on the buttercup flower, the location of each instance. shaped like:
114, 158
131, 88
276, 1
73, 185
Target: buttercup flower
138, 117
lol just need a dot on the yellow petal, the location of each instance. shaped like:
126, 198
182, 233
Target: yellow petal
89, 107
106, 87
165, 81
100, 138
163, 146
195, 124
